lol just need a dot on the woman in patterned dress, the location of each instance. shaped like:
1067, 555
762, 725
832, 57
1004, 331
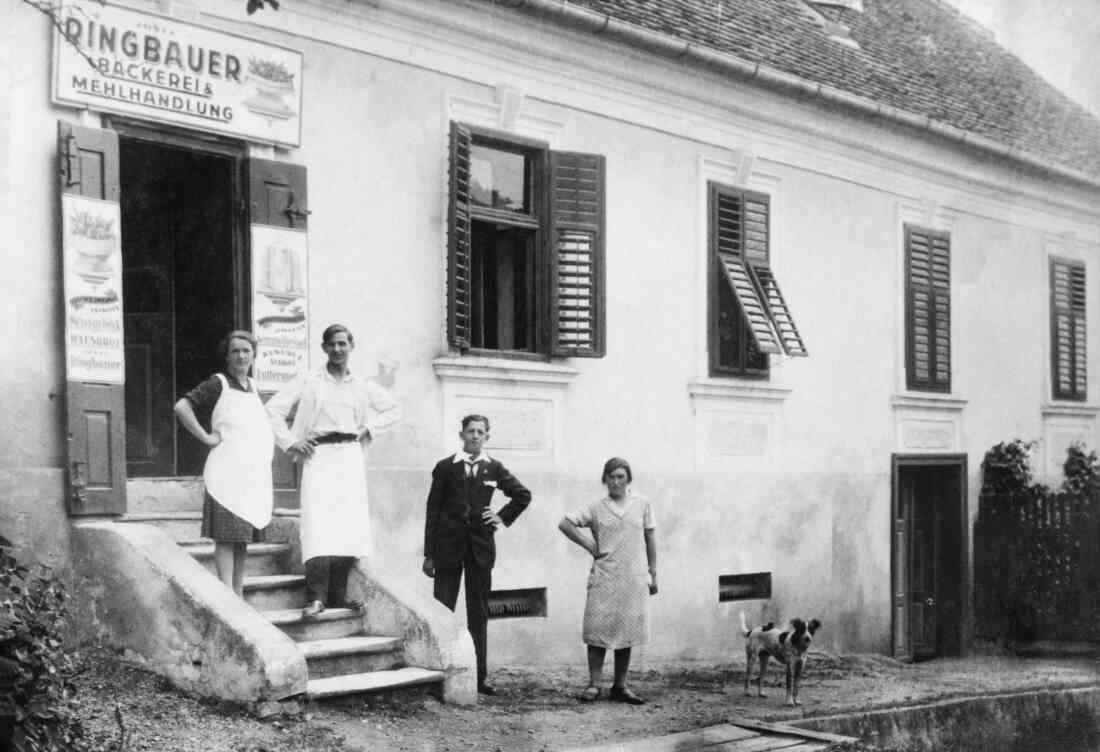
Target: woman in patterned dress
237, 475
623, 546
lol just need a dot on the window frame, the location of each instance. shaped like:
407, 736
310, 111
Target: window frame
1078, 317
932, 383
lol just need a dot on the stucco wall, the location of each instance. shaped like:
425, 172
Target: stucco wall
810, 500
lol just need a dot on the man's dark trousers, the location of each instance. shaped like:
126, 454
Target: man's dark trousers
327, 579
479, 582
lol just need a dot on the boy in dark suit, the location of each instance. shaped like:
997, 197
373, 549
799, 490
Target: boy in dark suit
459, 527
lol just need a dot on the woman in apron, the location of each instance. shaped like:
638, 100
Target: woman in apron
237, 475
623, 547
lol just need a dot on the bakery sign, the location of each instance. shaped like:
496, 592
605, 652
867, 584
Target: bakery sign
114, 59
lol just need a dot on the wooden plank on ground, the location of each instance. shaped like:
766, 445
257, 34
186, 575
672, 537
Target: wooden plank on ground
763, 744
783, 728
704, 739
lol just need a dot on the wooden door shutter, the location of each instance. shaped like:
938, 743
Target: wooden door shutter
928, 310
459, 230
278, 198
1069, 351
577, 278
96, 406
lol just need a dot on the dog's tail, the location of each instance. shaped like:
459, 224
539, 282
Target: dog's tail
744, 625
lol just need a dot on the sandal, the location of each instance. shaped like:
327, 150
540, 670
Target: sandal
622, 694
591, 693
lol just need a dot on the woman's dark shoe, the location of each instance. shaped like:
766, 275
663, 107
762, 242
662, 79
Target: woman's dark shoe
591, 693
622, 694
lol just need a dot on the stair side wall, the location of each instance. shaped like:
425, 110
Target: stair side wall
434, 639
134, 589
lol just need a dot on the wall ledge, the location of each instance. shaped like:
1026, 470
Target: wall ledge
478, 368
914, 401
719, 389
1081, 410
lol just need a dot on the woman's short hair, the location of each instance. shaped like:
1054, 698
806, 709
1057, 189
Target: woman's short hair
247, 336
614, 464
333, 330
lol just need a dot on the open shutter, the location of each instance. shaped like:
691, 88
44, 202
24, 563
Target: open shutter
1069, 351
95, 369
458, 241
928, 310
782, 320
577, 264
278, 235
735, 241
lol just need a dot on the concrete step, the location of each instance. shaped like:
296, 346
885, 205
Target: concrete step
270, 592
160, 495
373, 681
263, 558
329, 624
179, 526
352, 655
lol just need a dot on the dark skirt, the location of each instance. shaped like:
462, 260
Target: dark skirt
224, 526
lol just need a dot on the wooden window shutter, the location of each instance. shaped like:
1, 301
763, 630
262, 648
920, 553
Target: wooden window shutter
96, 409
928, 310
577, 266
737, 238
458, 240
1069, 351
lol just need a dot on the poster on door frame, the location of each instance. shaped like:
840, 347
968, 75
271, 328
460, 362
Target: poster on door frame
280, 304
92, 263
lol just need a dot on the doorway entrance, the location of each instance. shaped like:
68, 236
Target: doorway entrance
183, 287
931, 563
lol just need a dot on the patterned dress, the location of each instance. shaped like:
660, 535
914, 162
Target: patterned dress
616, 613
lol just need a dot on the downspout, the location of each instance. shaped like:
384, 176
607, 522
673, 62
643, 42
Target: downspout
563, 13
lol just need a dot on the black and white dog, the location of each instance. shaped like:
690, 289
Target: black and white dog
787, 645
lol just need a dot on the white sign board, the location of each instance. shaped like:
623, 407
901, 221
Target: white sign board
158, 68
92, 248
280, 304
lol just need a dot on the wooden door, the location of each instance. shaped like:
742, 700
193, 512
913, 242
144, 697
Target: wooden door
922, 498
96, 418
148, 253
277, 198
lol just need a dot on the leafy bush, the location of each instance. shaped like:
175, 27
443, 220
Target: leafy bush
1006, 467
34, 666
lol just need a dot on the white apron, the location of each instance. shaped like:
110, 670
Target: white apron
238, 470
335, 514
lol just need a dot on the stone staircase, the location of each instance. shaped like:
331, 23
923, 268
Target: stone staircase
342, 659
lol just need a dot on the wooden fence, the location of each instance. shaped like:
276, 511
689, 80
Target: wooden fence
1037, 566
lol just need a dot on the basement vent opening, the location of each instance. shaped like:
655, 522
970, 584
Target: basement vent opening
517, 604
745, 587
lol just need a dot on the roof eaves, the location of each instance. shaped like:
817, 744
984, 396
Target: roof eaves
572, 16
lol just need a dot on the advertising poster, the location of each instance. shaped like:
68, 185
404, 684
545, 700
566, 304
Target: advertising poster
92, 251
115, 59
279, 304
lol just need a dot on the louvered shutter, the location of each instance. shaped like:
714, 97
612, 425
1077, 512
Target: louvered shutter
1069, 351
928, 310
738, 236
577, 278
458, 240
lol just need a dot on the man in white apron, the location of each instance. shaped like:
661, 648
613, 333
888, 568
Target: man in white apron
339, 413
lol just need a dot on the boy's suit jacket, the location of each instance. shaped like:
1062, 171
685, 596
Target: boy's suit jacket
455, 502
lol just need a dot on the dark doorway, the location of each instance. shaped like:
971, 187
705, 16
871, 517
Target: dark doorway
930, 557
180, 257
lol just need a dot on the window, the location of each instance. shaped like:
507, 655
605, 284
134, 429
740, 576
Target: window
927, 310
1068, 354
749, 318
525, 247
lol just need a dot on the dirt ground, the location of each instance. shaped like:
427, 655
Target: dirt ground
538, 709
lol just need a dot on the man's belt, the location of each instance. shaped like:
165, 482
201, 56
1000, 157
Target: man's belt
334, 437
